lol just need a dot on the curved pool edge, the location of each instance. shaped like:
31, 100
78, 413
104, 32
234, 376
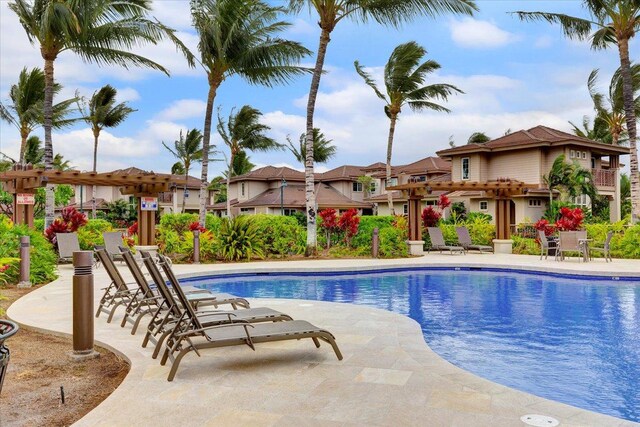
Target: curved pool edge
456, 395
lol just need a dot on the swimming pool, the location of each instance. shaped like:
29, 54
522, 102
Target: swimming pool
573, 340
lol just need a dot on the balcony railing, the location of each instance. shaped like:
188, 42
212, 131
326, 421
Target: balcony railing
604, 177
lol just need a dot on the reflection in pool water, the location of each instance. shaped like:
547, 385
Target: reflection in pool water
575, 341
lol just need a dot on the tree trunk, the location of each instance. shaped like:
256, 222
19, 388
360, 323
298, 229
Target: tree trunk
312, 241
392, 129
630, 116
50, 200
184, 191
94, 189
24, 134
231, 156
206, 138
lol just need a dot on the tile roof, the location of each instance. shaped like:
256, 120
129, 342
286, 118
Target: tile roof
343, 172
397, 195
268, 173
192, 182
294, 196
428, 165
536, 136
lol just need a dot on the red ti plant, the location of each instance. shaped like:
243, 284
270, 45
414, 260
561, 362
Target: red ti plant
570, 219
196, 226
443, 202
544, 225
133, 230
70, 221
348, 223
430, 217
329, 223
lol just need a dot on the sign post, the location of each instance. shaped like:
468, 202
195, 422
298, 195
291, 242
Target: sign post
149, 203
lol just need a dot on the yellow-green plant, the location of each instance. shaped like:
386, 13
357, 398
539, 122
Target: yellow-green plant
239, 238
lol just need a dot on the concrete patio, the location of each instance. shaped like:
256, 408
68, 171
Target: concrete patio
389, 376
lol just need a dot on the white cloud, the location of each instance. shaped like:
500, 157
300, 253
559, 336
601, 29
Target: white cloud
476, 34
301, 27
183, 109
543, 42
128, 94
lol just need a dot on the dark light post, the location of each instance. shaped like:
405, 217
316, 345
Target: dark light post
282, 186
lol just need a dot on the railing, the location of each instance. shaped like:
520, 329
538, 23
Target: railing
166, 197
604, 177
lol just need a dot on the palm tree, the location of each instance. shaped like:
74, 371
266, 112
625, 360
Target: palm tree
187, 149
241, 38
103, 32
103, 112
599, 131
330, 13
615, 22
367, 184
570, 178
478, 138
243, 132
34, 153
323, 149
26, 109
241, 164
404, 78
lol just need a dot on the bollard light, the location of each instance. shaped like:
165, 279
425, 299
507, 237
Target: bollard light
375, 243
83, 306
196, 246
25, 262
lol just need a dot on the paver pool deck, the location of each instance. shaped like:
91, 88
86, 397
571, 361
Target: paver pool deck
389, 376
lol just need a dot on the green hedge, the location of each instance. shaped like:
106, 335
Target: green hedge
43, 256
90, 235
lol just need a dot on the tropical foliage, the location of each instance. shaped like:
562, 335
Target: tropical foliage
323, 148
570, 179
405, 76
187, 150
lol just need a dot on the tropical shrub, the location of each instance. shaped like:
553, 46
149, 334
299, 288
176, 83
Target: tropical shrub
393, 243
543, 225
212, 223
430, 217
69, 222
525, 246
178, 222
348, 223
570, 219
328, 223
119, 213
90, 235
281, 235
239, 238
365, 229
478, 217
43, 256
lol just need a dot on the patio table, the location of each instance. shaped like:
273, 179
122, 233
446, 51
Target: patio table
584, 243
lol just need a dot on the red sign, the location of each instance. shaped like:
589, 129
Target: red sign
26, 199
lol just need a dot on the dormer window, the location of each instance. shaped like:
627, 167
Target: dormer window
465, 168
357, 187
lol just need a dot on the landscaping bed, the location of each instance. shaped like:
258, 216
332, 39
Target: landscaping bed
40, 365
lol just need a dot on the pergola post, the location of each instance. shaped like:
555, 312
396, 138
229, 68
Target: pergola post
415, 242
503, 243
146, 226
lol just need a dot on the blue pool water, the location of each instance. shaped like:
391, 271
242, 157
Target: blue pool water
575, 341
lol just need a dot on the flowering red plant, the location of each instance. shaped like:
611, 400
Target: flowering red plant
443, 202
195, 225
133, 230
329, 219
70, 221
430, 217
349, 222
570, 220
544, 225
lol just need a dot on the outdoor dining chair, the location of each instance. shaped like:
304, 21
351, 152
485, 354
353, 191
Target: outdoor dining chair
545, 244
606, 248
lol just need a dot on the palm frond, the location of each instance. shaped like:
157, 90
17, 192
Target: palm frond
369, 81
573, 28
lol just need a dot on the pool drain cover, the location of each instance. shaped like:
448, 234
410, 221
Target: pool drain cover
539, 420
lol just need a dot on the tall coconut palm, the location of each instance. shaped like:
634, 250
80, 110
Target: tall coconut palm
330, 13
27, 106
241, 133
103, 112
323, 149
241, 37
611, 22
187, 149
404, 79
103, 32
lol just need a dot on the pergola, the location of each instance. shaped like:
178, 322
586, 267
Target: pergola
501, 190
25, 180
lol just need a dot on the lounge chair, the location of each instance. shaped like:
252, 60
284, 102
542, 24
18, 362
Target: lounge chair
67, 245
545, 244
464, 239
568, 242
437, 241
183, 339
7, 330
118, 292
606, 249
168, 314
112, 243
148, 299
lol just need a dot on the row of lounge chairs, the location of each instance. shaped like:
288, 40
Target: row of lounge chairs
464, 241
68, 244
185, 319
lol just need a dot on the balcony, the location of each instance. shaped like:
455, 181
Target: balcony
604, 177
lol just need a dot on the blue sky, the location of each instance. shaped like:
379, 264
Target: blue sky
515, 75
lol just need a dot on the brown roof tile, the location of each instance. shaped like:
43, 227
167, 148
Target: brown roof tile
269, 173
294, 197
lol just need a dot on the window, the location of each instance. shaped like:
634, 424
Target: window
465, 168
289, 212
484, 205
421, 178
405, 209
392, 182
535, 203
584, 155
572, 155
431, 203
357, 187
581, 200
247, 210
372, 189
242, 188
593, 163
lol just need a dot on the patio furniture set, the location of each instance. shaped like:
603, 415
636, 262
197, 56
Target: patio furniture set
569, 242
463, 245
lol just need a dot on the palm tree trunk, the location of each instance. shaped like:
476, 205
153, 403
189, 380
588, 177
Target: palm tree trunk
392, 129
231, 156
94, 189
629, 111
206, 138
50, 200
23, 145
312, 241
184, 191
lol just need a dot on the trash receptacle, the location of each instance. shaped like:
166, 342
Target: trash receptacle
7, 330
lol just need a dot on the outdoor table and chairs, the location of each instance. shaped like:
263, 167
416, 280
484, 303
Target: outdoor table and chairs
573, 241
